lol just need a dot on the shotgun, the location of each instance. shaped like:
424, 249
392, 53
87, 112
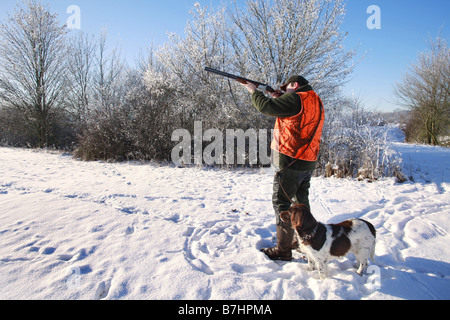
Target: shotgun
261, 86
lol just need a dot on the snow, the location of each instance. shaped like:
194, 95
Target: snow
94, 230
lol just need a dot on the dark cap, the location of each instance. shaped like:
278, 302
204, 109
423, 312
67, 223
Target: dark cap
299, 79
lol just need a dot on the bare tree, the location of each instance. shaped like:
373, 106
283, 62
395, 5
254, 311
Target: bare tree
108, 77
425, 90
82, 58
96, 77
33, 66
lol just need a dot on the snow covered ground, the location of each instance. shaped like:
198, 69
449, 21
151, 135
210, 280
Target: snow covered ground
79, 230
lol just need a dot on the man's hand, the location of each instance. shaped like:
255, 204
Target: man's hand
276, 94
250, 87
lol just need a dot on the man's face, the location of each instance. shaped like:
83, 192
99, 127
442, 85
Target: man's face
292, 87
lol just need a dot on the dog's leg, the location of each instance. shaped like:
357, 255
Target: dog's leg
362, 258
362, 268
305, 251
311, 264
323, 269
366, 252
322, 266
372, 251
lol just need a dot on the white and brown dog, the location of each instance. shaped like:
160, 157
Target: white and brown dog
322, 242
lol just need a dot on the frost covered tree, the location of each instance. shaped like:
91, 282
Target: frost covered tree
425, 90
266, 40
273, 40
181, 64
33, 68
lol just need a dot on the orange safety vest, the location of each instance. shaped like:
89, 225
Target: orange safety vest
299, 136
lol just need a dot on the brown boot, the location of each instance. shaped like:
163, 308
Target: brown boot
283, 251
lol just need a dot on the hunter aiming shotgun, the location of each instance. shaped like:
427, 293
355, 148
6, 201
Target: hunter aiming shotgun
261, 86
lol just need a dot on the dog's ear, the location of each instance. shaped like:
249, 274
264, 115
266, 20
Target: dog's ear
285, 216
297, 216
307, 221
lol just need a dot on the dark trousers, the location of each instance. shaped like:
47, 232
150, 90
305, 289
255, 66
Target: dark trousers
296, 185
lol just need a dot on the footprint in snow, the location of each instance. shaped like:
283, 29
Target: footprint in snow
102, 290
129, 231
175, 218
65, 257
48, 251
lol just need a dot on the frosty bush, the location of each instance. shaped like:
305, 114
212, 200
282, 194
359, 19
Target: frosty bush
139, 127
354, 146
103, 139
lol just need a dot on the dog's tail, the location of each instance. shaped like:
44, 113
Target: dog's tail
372, 229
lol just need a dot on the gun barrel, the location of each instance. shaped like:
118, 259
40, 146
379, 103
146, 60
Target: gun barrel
242, 80
221, 73
234, 77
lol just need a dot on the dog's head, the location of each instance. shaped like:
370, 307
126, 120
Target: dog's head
299, 215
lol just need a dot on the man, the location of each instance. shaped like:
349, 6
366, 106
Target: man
295, 150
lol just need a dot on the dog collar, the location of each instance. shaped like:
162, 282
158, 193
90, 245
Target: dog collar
311, 235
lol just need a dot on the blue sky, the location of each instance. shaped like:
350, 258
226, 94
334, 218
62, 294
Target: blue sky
406, 26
